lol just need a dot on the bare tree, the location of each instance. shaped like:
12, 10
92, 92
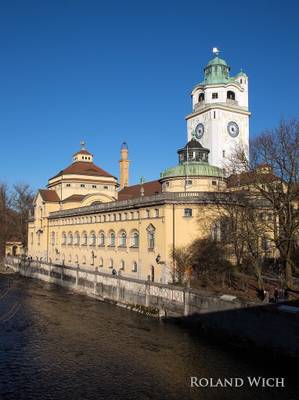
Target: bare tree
6, 217
181, 257
22, 200
274, 164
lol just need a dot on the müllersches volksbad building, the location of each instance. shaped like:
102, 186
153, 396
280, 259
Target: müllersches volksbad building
87, 218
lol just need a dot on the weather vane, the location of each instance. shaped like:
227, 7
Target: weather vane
82, 144
216, 51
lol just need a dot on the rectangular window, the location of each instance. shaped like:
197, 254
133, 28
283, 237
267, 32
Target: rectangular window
188, 212
189, 182
223, 153
157, 212
147, 213
214, 114
214, 95
214, 183
105, 187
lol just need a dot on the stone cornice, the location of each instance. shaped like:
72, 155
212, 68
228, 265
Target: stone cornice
219, 106
146, 201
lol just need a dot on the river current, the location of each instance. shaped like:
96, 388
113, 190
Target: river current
58, 345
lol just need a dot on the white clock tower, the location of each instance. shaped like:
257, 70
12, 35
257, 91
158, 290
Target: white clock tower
220, 116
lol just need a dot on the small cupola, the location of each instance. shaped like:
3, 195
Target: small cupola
83, 155
193, 152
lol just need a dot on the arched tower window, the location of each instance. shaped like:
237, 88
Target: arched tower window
231, 95
201, 97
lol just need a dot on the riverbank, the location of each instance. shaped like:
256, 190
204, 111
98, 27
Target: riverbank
62, 345
251, 326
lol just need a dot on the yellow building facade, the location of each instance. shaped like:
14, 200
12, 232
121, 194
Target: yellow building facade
82, 219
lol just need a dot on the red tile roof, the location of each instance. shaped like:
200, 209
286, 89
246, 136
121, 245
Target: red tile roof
83, 168
130, 192
250, 178
49, 195
74, 198
83, 152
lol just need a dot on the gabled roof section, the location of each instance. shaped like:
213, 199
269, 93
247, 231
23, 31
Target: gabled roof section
74, 198
49, 195
83, 168
131, 192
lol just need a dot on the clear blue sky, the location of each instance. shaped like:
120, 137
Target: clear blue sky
109, 71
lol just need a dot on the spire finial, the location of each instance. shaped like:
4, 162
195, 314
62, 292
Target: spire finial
82, 144
216, 51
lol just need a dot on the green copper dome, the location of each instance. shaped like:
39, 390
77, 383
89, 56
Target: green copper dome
217, 71
241, 73
200, 169
217, 61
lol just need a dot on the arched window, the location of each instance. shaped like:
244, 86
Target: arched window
151, 237
101, 262
83, 260
231, 95
101, 239
70, 238
111, 264
135, 239
123, 239
84, 239
53, 238
77, 239
134, 266
122, 265
63, 238
112, 239
92, 239
201, 97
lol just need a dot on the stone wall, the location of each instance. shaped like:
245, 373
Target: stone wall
144, 296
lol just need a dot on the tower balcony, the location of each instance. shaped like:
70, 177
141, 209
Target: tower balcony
202, 104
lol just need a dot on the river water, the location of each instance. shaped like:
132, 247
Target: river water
58, 345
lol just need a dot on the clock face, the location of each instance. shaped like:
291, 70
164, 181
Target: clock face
199, 131
233, 129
